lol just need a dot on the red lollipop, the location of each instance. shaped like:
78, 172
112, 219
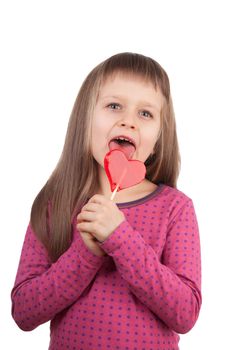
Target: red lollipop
122, 172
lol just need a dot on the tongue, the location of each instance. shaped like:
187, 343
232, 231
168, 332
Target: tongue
125, 147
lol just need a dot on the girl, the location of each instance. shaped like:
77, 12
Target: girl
121, 274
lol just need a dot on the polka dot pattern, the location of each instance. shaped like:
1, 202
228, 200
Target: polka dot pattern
145, 291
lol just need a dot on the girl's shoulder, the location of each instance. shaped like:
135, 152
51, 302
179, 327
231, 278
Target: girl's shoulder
170, 199
172, 193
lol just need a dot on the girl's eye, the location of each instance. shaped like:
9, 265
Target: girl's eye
113, 106
146, 114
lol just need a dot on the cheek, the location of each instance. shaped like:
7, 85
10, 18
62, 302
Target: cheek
99, 125
149, 141
155, 132
100, 131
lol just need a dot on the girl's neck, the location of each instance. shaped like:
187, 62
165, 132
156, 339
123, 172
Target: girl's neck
127, 194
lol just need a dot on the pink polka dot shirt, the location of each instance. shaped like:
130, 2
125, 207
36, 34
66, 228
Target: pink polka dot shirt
145, 291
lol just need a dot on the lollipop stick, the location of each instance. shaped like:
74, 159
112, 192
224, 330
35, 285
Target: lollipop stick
118, 184
114, 192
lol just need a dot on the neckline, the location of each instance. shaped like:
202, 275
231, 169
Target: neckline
143, 199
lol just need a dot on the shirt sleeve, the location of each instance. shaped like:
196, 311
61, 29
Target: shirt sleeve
171, 286
42, 289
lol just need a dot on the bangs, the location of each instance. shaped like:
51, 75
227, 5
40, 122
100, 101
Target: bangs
135, 64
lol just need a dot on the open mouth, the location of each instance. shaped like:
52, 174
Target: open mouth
124, 144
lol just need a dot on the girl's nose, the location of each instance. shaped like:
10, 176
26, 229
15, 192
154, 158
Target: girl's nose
128, 121
128, 125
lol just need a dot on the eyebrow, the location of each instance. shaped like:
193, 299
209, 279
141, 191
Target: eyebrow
143, 103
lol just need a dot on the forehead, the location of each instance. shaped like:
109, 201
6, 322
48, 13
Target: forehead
129, 85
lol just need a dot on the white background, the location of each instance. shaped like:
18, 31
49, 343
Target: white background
47, 49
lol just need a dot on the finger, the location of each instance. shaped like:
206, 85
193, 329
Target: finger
97, 198
86, 216
85, 234
91, 207
85, 226
88, 235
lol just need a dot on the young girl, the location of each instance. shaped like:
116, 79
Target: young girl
122, 273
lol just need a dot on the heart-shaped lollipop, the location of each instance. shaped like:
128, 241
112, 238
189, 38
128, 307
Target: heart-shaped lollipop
122, 172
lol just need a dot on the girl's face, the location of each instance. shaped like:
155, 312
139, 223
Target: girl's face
127, 106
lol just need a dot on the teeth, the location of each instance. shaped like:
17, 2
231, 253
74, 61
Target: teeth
124, 139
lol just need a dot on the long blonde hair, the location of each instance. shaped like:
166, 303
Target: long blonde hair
75, 179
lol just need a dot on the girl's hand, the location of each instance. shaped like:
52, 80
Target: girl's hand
92, 244
99, 217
